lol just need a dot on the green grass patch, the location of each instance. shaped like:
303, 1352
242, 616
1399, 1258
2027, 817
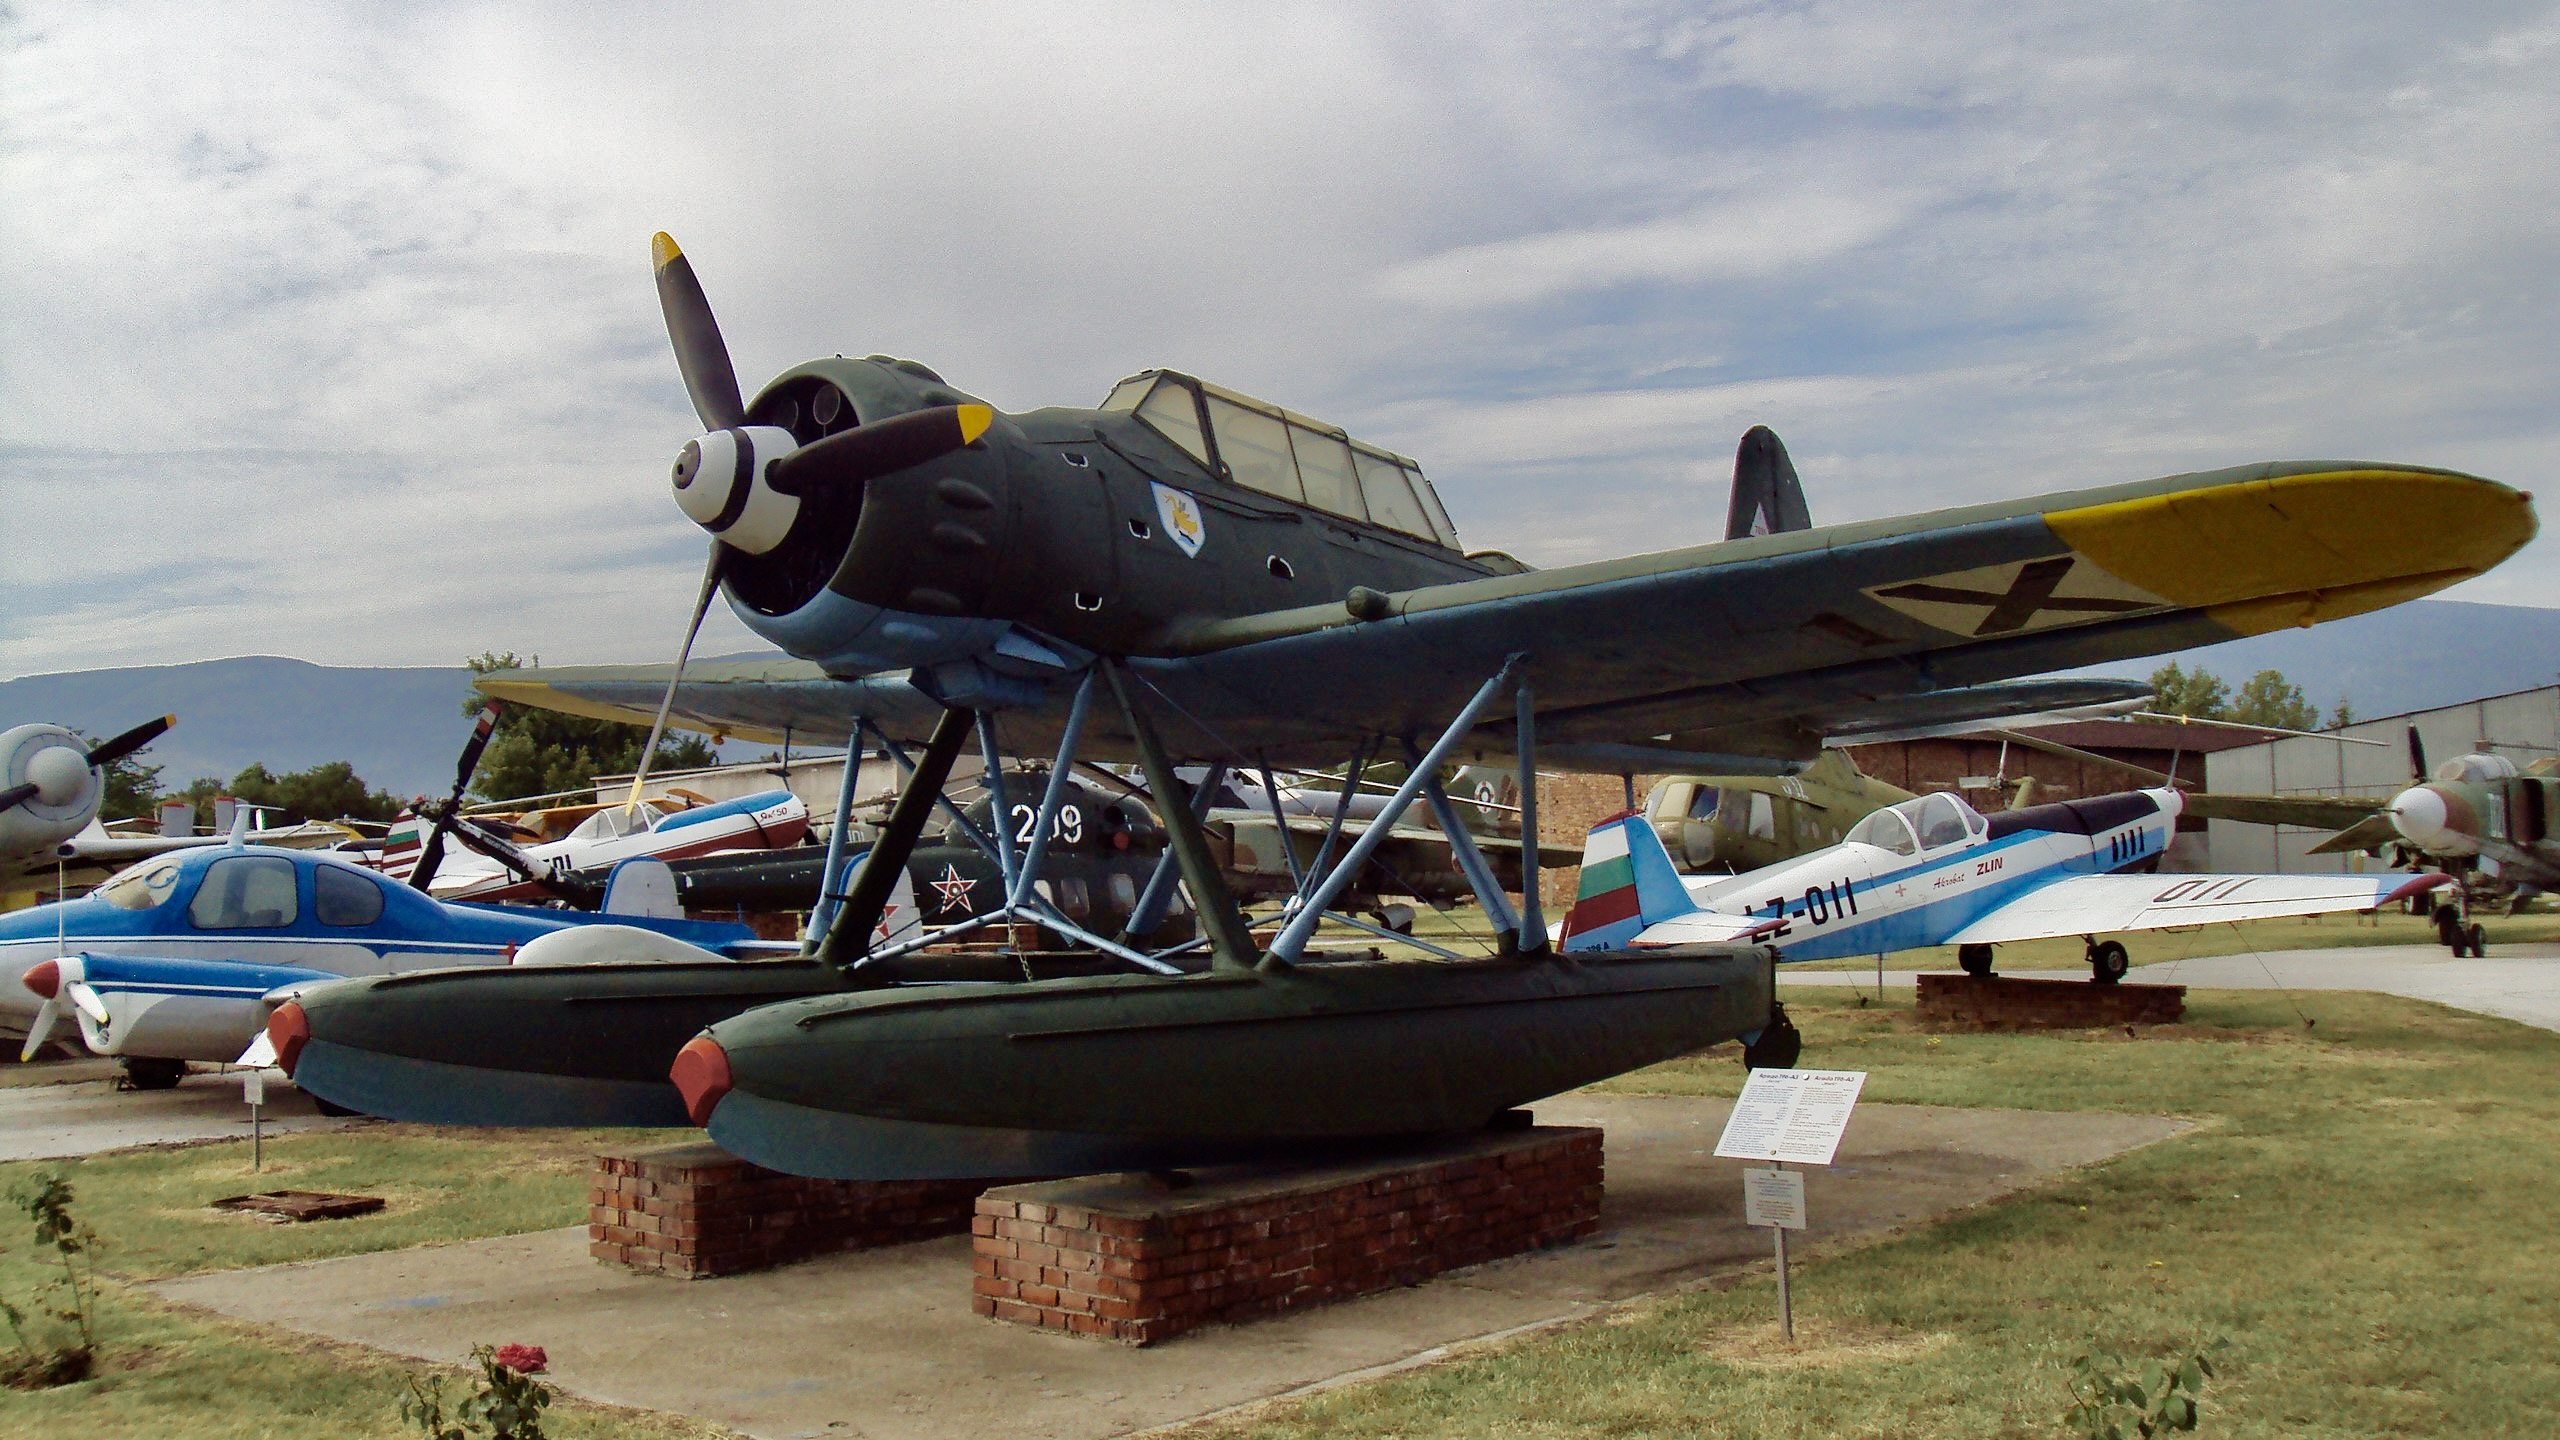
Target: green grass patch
167, 1371
2363, 1210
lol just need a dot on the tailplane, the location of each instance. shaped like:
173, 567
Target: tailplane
1767, 497
1627, 885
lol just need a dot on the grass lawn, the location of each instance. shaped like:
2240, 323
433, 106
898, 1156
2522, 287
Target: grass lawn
168, 1372
2364, 1211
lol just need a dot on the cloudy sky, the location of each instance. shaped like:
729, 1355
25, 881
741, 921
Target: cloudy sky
329, 330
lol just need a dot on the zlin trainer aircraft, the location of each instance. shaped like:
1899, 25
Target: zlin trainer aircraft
1186, 575
1932, 871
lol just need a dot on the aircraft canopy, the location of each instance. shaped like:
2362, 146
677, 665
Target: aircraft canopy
1279, 452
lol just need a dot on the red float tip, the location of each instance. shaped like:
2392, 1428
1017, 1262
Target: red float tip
287, 1029
701, 1073
44, 978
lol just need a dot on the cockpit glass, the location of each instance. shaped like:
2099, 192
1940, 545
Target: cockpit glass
1127, 394
1390, 495
1324, 464
1171, 411
145, 886
1440, 526
245, 892
1886, 830
1939, 820
1255, 448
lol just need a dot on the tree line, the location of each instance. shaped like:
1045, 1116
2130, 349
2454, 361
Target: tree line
2266, 698
531, 752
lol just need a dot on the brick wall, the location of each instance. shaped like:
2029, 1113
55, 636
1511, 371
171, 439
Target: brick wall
696, 1210
1568, 805
1119, 1258
1962, 1002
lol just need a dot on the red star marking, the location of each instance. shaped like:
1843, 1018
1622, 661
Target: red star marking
953, 888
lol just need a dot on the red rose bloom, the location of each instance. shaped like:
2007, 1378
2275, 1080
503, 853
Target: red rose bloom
522, 1359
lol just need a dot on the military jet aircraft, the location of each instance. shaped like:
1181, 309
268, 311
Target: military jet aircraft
2477, 812
1933, 871
1188, 575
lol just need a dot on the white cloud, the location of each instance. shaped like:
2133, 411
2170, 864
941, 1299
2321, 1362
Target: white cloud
330, 331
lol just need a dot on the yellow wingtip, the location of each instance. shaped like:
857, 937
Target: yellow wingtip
663, 250
974, 420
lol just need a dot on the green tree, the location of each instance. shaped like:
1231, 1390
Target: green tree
2270, 699
133, 790
2340, 718
542, 752
2196, 693
330, 790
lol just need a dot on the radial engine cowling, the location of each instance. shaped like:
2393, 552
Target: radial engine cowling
66, 791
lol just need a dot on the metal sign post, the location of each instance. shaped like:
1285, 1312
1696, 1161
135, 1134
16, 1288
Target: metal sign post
1782, 1116
254, 1090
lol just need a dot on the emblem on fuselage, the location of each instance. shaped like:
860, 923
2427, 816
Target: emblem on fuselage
1181, 515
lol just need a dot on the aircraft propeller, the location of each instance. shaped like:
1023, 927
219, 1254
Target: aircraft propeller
2417, 758
431, 854
48, 778
48, 979
744, 483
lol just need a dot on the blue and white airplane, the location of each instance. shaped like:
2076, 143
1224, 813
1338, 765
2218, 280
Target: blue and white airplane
1933, 871
181, 958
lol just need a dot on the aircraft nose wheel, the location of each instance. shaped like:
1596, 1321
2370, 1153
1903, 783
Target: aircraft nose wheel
143, 1073
1779, 1045
2108, 962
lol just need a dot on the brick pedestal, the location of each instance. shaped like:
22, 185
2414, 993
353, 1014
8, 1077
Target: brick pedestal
1962, 1002
696, 1211
1128, 1259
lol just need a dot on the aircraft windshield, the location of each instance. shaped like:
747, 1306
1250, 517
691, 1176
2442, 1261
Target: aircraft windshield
1938, 818
1280, 452
144, 887
1886, 830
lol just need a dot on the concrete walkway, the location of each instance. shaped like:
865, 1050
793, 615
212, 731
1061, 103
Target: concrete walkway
87, 1114
2520, 982
883, 1344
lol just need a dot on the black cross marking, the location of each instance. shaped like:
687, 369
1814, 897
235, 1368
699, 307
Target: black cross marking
2029, 594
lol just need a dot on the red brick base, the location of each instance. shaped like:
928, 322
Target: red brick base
1962, 1002
697, 1210
1126, 1258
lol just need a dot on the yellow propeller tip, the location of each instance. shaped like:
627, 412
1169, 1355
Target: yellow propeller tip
974, 420
663, 250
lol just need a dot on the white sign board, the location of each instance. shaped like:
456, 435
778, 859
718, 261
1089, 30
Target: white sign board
1791, 1115
1773, 1197
253, 1087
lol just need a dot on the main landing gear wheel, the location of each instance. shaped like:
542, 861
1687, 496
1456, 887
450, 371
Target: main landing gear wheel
2108, 962
141, 1073
2449, 931
1976, 960
2479, 939
1779, 1044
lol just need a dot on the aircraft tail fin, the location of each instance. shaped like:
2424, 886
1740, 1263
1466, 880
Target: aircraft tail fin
1767, 497
1627, 885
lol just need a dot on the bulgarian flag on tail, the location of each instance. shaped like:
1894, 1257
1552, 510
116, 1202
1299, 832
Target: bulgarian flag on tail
1628, 884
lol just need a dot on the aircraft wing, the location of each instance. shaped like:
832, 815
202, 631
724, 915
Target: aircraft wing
2112, 904
1729, 656
2370, 833
2312, 812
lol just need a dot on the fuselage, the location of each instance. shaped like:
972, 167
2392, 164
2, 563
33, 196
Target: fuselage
256, 907
1916, 873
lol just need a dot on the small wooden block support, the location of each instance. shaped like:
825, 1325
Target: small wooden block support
1123, 1257
696, 1210
300, 1204
1997, 1002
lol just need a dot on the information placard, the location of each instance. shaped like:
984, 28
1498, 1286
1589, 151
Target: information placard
1773, 1197
1791, 1115
253, 1087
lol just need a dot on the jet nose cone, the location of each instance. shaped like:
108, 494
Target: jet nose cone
701, 1073
45, 978
2427, 817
